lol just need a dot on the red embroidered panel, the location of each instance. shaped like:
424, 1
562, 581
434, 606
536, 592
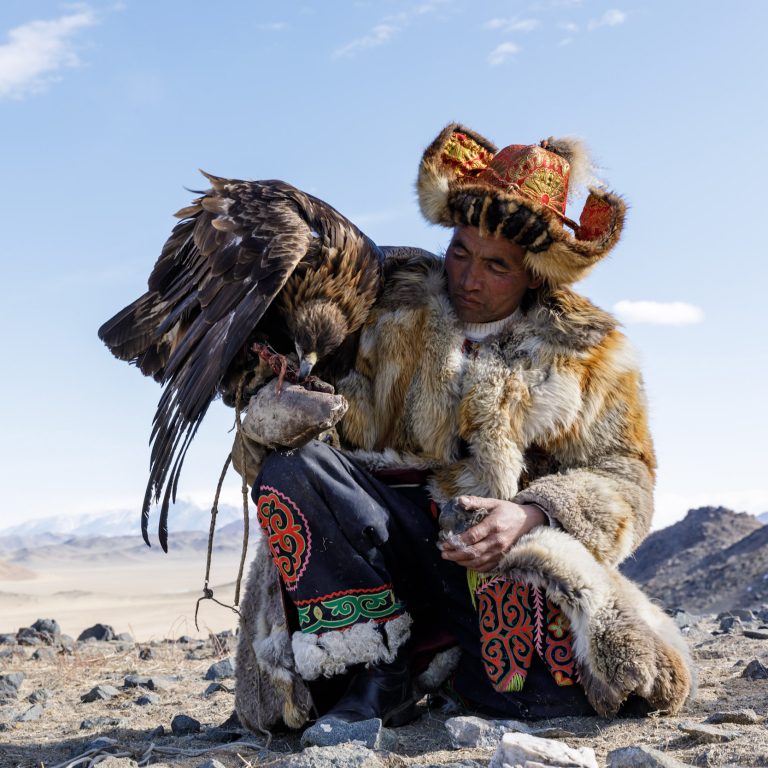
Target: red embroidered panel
506, 631
516, 619
288, 535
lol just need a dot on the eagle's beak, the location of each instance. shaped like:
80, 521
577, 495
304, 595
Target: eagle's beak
306, 365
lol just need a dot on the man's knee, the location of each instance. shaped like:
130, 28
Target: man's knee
281, 466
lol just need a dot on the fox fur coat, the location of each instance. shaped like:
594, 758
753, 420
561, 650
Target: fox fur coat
552, 412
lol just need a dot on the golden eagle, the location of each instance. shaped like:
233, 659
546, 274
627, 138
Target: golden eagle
250, 262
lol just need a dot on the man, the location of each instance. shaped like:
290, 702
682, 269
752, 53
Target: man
481, 384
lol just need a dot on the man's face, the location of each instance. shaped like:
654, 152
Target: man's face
486, 276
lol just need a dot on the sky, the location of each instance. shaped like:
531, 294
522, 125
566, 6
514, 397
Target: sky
107, 110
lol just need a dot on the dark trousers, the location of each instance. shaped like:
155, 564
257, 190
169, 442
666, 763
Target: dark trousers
352, 549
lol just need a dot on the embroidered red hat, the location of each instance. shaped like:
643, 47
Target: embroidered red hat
520, 193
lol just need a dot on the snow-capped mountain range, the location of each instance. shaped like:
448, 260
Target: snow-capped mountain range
184, 516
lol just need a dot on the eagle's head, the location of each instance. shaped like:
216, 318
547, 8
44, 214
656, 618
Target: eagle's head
318, 328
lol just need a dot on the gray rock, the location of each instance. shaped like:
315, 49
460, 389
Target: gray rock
186, 639
49, 626
641, 757
221, 670
145, 654
211, 764
7, 639
43, 654
552, 733
10, 684
148, 698
156, 733
332, 732
136, 681
343, 756
99, 693
708, 734
35, 712
29, 636
731, 624
755, 671
98, 722
67, 643
739, 717
160, 683
118, 762
525, 750
454, 764
40, 696
97, 632
745, 614
215, 688
756, 634
125, 637
100, 742
181, 725
473, 731
684, 619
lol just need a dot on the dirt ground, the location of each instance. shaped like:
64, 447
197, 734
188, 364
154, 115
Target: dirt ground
63, 730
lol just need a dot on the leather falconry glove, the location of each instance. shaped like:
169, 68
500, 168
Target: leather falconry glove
288, 419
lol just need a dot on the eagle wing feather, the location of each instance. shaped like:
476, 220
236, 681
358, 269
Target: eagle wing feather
217, 275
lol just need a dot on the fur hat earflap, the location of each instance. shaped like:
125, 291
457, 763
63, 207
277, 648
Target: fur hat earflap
520, 192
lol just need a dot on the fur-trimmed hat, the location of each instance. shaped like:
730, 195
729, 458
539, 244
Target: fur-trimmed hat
519, 193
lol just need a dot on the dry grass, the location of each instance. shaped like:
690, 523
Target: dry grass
57, 738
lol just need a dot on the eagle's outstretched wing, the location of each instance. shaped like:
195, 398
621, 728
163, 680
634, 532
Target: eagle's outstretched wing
220, 270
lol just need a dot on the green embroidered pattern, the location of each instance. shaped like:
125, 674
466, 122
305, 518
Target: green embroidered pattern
342, 609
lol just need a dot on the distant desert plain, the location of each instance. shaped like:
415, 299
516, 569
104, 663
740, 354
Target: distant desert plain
120, 581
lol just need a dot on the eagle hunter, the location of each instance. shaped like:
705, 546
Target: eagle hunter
251, 263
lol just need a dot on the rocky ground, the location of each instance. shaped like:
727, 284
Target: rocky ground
116, 703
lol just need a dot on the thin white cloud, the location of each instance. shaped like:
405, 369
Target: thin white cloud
387, 29
379, 35
501, 53
569, 26
611, 18
36, 51
272, 26
659, 313
512, 25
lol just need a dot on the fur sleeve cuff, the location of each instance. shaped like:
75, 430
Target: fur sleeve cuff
609, 513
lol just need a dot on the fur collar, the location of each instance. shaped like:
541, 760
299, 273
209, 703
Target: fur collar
559, 317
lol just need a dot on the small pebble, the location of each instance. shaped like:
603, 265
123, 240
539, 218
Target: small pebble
642, 757
755, 670
739, 717
215, 688
221, 670
10, 684
181, 725
98, 722
709, 734
40, 696
43, 654
99, 693
97, 632
148, 698
160, 684
34, 712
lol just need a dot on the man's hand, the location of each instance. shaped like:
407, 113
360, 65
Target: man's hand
483, 545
